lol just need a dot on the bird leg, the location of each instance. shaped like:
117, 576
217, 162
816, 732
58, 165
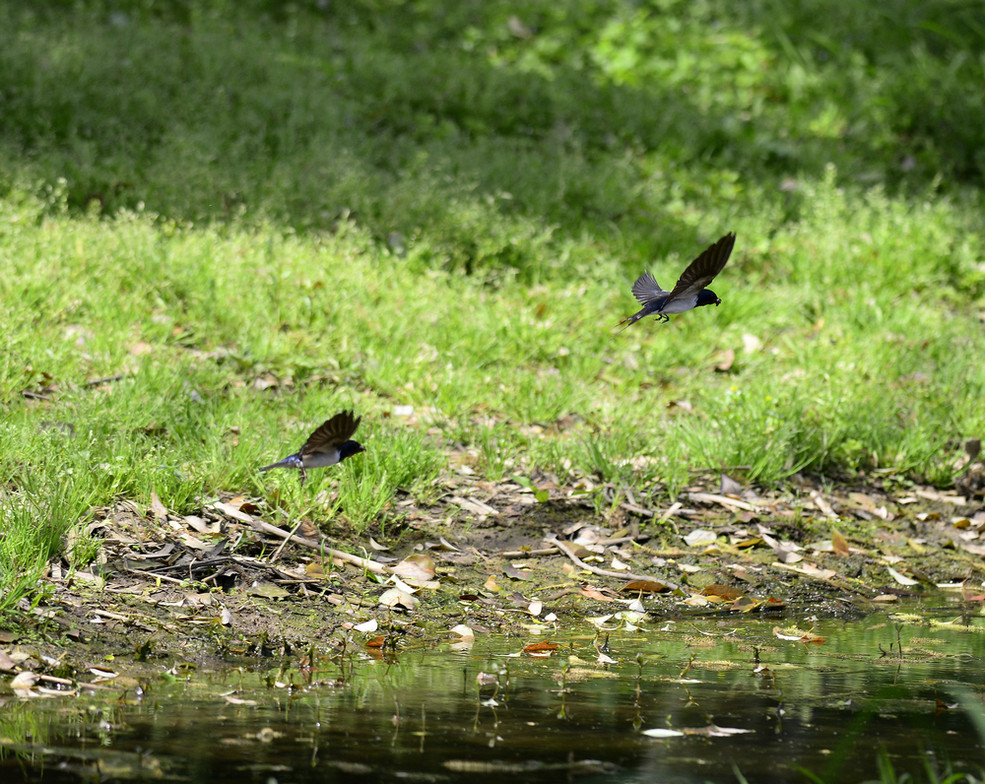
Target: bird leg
304, 475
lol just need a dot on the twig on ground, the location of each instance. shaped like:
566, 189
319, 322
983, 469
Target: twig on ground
105, 380
364, 563
606, 572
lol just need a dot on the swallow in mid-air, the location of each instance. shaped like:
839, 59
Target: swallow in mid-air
329, 444
690, 291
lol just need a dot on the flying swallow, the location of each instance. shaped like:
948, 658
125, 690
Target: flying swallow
690, 291
331, 443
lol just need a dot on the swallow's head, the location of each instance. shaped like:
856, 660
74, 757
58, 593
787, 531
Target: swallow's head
350, 448
707, 297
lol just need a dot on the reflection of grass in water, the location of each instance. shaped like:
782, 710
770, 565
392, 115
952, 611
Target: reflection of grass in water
933, 769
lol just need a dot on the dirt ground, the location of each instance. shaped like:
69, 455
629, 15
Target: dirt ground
226, 582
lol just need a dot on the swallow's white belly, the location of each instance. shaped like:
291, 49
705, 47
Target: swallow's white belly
680, 305
321, 459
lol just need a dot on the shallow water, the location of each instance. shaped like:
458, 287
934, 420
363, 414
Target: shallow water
420, 714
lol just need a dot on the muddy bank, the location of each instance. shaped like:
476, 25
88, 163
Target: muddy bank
226, 582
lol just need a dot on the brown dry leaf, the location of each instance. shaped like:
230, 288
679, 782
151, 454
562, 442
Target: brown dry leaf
724, 360
839, 544
643, 586
590, 592
746, 604
157, 509
726, 592
514, 573
869, 504
315, 570
540, 648
418, 567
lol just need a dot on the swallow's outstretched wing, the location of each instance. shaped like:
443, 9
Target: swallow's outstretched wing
700, 272
331, 434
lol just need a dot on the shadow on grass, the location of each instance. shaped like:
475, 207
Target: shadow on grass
473, 137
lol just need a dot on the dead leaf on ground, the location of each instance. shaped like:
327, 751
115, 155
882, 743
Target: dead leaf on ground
157, 509
591, 592
724, 360
540, 648
643, 586
901, 578
394, 597
725, 592
418, 568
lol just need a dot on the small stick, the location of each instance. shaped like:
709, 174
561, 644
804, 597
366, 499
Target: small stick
365, 563
606, 572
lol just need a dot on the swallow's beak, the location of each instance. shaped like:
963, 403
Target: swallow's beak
717, 302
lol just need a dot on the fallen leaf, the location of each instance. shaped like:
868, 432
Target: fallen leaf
24, 680
700, 538
746, 604
643, 586
901, 578
394, 597
418, 567
157, 509
726, 592
750, 343
839, 543
659, 733
238, 700
724, 360
540, 648
590, 592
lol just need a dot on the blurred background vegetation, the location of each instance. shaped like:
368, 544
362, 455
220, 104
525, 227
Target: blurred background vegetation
501, 134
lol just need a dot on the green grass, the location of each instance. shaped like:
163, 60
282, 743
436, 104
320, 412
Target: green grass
260, 214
